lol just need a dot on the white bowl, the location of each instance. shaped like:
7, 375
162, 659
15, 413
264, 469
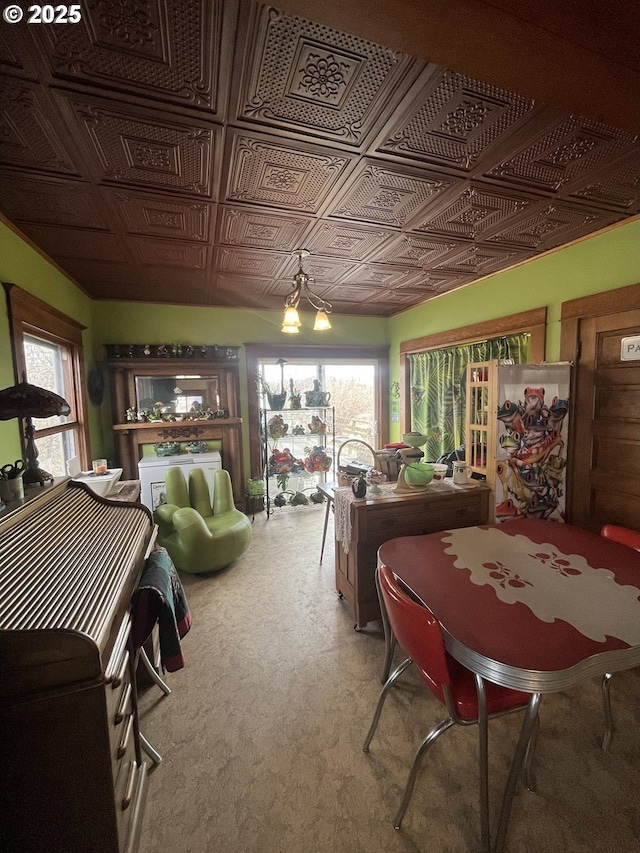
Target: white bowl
439, 470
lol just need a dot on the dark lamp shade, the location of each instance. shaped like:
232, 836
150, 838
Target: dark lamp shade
29, 401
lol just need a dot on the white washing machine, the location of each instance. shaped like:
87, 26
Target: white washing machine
151, 471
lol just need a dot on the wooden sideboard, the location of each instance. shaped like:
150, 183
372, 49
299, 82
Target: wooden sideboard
442, 507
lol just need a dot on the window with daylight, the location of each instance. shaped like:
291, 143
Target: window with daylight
357, 379
434, 372
48, 352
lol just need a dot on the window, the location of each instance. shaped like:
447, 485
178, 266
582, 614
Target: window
48, 352
352, 387
356, 377
530, 323
438, 388
49, 365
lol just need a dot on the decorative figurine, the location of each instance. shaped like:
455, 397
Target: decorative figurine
359, 486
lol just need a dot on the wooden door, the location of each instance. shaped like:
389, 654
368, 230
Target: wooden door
605, 475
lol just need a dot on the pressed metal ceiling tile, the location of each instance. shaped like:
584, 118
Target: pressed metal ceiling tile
158, 216
453, 120
383, 194
309, 79
387, 276
321, 270
549, 225
180, 152
51, 200
170, 253
479, 260
616, 188
247, 262
414, 250
563, 152
78, 243
474, 211
173, 52
342, 240
31, 134
138, 149
283, 176
261, 229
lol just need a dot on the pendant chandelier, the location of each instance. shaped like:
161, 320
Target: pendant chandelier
291, 320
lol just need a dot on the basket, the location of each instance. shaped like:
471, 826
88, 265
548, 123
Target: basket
347, 471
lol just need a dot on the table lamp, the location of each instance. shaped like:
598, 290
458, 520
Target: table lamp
29, 401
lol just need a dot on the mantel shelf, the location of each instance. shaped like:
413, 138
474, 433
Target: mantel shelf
205, 422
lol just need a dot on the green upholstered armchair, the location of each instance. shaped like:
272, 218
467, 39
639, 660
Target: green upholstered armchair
200, 538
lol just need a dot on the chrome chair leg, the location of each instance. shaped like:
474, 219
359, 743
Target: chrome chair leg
389, 636
483, 762
153, 674
433, 735
528, 725
529, 777
383, 695
153, 754
608, 713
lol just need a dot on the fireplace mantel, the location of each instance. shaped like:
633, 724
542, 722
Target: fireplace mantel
130, 436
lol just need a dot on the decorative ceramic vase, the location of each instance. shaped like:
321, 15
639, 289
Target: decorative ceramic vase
317, 426
255, 488
277, 427
317, 461
196, 447
277, 401
167, 448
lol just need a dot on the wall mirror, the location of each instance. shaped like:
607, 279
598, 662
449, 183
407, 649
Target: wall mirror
178, 394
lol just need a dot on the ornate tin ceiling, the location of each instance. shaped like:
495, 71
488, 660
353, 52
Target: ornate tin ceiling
179, 152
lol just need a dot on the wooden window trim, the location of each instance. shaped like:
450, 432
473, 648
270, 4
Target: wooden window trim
534, 322
29, 315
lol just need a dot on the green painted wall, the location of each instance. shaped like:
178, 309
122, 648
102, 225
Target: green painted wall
22, 265
133, 322
604, 262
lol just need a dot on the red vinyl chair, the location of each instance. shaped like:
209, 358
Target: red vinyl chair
630, 538
418, 632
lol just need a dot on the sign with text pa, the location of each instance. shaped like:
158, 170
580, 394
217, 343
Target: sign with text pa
630, 348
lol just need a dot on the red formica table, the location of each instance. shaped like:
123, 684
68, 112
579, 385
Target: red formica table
533, 605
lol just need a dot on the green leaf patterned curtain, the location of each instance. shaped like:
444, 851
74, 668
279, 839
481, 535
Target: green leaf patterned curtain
438, 388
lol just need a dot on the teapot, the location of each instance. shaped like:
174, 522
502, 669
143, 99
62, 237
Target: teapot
317, 397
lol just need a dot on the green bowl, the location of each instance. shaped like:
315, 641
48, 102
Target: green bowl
418, 473
414, 439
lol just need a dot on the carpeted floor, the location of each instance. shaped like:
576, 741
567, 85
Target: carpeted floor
261, 736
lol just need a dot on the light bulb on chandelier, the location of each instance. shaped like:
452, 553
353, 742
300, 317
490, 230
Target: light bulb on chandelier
291, 319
